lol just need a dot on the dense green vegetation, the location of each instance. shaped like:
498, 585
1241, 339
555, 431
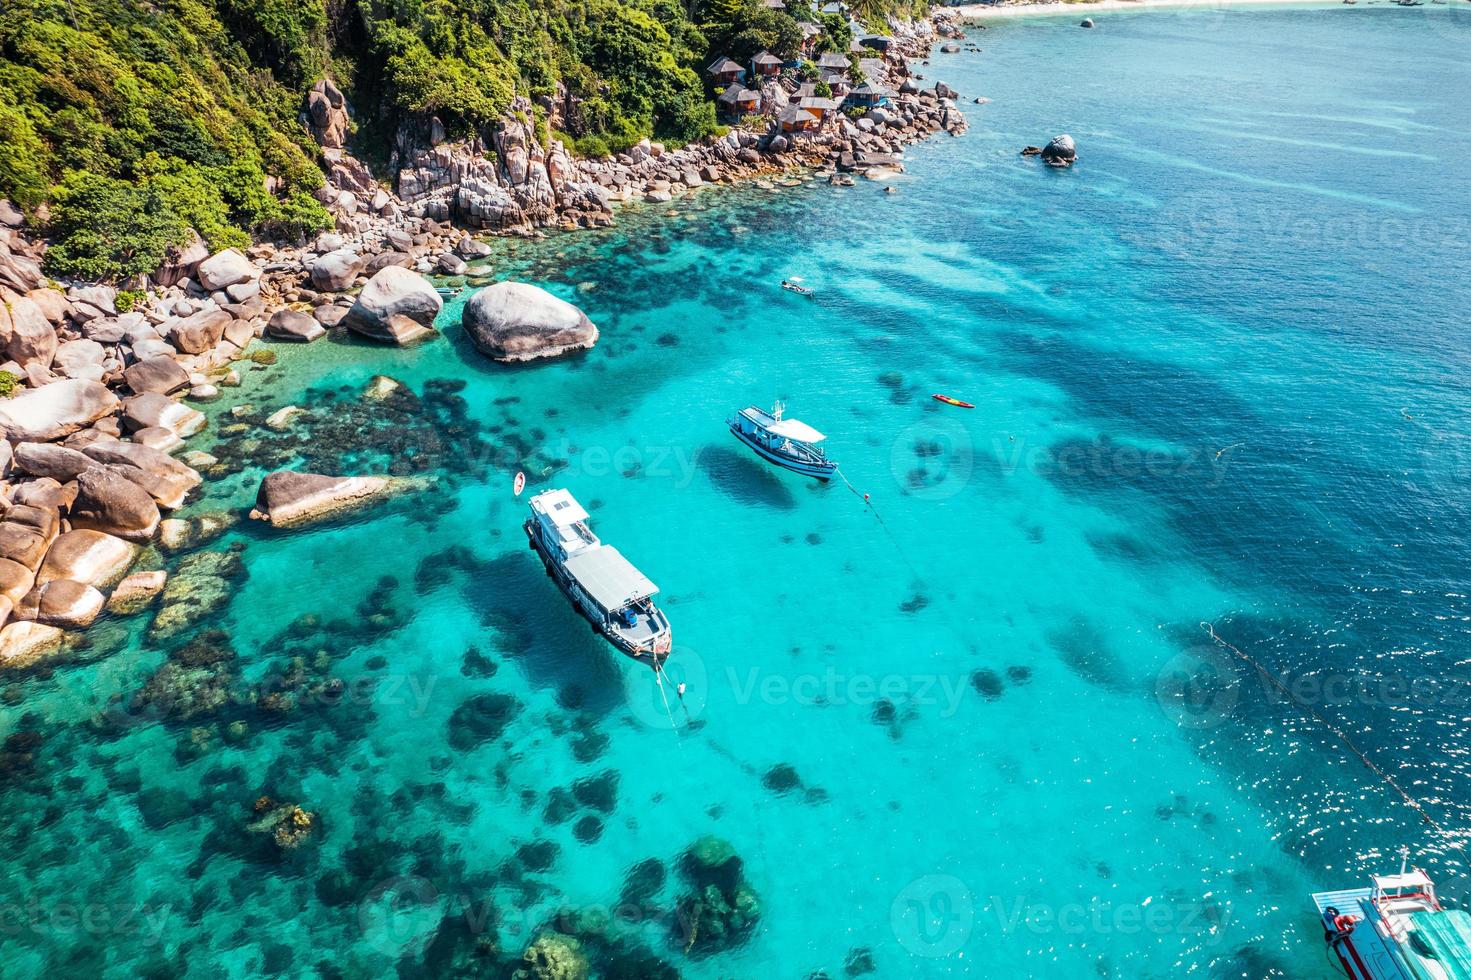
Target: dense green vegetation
137, 121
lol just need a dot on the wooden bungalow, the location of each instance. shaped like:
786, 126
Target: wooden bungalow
794, 119
836, 7
725, 71
877, 42
739, 101
817, 105
765, 65
810, 34
774, 4
868, 95
833, 61
837, 81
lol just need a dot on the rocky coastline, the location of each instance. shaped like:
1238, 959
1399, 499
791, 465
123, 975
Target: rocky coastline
107, 379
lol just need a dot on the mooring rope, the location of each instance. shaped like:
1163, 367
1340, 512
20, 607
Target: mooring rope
1341, 735
882, 523
659, 678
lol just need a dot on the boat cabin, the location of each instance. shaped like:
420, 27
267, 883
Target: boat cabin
563, 523
725, 71
766, 65
739, 100
795, 119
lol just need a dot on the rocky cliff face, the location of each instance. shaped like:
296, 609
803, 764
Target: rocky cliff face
506, 182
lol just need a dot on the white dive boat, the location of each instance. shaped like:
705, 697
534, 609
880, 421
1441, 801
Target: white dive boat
785, 442
1396, 929
614, 596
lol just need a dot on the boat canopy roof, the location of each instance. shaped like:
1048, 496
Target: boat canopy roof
608, 578
1416, 879
792, 429
559, 506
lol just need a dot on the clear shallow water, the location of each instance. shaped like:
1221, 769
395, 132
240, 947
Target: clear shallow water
1218, 371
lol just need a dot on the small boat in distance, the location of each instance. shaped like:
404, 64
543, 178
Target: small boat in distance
615, 597
785, 442
794, 284
448, 292
1396, 929
952, 401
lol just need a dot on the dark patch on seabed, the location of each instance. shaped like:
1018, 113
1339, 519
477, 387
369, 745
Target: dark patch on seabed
745, 479
534, 625
1086, 652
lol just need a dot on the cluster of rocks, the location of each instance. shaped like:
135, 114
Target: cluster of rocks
721, 909
104, 396
1060, 151
505, 181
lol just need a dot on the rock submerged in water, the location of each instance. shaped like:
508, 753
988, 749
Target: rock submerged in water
1060, 152
721, 909
553, 956
134, 593
290, 499
516, 321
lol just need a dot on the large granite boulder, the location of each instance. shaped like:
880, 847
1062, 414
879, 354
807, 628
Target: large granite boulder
92, 557
167, 480
294, 325
45, 493
22, 544
25, 643
200, 332
55, 410
336, 270
31, 338
225, 269
1061, 151
397, 305
161, 374
152, 410
290, 499
62, 603
181, 261
15, 580
385, 259
47, 459
516, 321
80, 359
108, 501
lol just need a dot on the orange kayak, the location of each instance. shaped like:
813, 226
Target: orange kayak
952, 401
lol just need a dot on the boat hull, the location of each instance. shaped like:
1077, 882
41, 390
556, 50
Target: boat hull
823, 471
650, 658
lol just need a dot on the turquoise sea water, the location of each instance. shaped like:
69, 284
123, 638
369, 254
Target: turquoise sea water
1219, 376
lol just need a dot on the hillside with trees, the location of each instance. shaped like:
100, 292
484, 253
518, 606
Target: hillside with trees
133, 122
